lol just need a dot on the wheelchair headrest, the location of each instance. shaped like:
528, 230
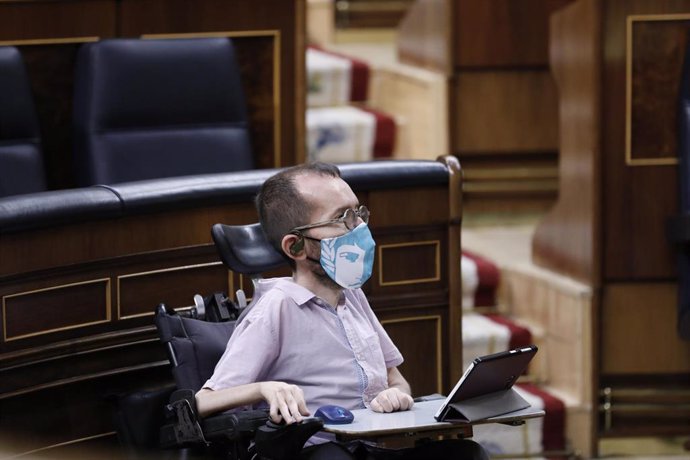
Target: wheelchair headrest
245, 249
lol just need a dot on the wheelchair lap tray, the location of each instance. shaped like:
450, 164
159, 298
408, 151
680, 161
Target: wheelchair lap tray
334, 415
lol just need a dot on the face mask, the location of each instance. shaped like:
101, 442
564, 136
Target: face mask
349, 259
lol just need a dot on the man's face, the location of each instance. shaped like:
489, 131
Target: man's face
328, 197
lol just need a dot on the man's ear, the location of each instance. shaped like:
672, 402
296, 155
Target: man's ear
293, 245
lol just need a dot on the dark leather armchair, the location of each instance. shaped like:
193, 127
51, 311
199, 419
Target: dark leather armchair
21, 160
146, 109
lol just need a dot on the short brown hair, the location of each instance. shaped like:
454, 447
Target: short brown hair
280, 205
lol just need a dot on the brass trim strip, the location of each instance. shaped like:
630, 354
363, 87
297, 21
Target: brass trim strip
277, 152
631, 408
568, 453
436, 277
511, 173
153, 272
50, 41
439, 348
276, 34
230, 34
373, 6
511, 186
57, 358
61, 444
641, 392
6, 338
629, 161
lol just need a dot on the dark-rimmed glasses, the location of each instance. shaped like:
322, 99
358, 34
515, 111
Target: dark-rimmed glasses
349, 219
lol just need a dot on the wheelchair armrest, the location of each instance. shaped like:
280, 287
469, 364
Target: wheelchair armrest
283, 442
186, 428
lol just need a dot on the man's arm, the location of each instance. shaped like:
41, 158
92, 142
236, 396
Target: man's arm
285, 401
398, 395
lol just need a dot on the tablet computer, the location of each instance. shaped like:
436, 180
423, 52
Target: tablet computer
486, 386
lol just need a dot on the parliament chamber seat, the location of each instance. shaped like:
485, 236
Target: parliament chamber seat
21, 160
146, 109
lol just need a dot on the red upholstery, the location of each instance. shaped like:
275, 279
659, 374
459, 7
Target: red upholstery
520, 336
384, 142
359, 84
489, 279
553, 438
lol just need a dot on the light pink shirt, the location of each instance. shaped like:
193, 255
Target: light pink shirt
336, 356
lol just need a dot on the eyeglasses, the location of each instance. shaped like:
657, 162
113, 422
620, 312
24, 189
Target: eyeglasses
349, 218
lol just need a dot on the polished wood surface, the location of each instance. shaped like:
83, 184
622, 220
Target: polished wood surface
635, 244
501, 97
49, 20
630, 324
510, 111
358, 14
445, 35
503, 33
425, 35
567, 239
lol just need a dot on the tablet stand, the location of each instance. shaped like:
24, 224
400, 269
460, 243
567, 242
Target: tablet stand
484, 406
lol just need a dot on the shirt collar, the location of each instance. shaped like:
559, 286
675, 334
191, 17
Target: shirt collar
298, 293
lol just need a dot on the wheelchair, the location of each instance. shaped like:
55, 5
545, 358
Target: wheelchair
195, 341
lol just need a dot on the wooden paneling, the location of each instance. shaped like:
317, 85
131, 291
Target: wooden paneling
419, 339
410, 262
68, 244
137, 292
46, 19
61, 307
503, 33
425, 35
519, 106
638, 330
635, 245
501, 97
567, 239
447, 35
412, 208
420, 260
71, 413
617, 67
658, 48
371, 13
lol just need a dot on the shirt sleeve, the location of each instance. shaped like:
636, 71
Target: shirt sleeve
391, 354
253, 346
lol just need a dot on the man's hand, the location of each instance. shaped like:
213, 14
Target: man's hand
285, 401
391, 400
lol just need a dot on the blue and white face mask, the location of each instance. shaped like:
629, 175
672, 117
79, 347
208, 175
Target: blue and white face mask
349, 259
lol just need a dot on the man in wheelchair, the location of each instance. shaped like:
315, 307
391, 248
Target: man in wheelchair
312, 339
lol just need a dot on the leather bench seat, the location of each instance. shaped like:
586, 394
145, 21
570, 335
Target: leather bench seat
46, 209
57, 207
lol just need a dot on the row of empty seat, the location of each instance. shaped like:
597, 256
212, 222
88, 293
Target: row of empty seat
142, 109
